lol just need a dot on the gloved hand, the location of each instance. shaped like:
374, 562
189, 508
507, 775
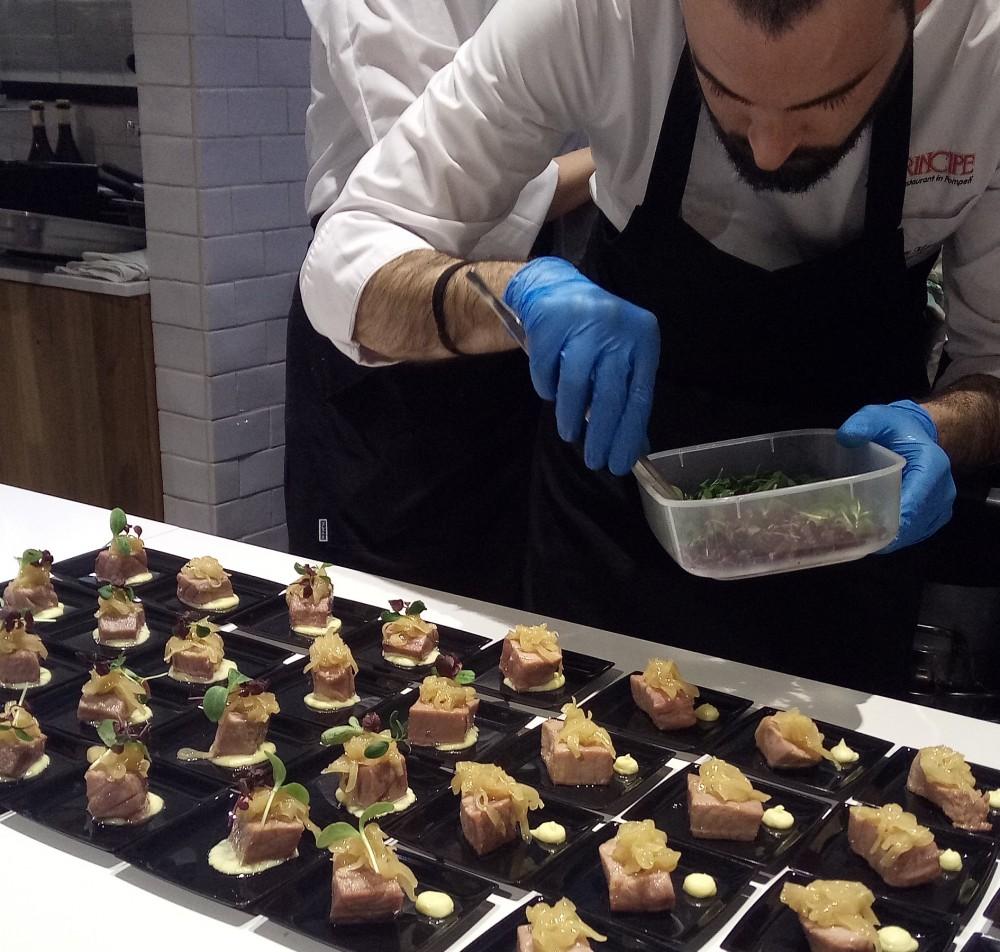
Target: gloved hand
589, 349
928, 489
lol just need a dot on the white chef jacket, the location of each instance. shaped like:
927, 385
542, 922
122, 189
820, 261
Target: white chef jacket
452, 167
370, 59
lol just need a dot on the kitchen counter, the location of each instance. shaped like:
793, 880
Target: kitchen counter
28, 271
56, 889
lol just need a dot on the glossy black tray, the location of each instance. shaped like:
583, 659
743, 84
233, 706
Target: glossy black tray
64, 764
304, 906
981, 943
253, 658
581, 672
61, 805
366, 645
741, 750
523, 760
65, 671
993, 909
614, 707
77, 604
889, 786
688, 926
178, 853
291, 685
829, 856
772, 850
250, 589
434, 828
270, 620
770, 926
79, 570
77, 641
498, 726
503, 936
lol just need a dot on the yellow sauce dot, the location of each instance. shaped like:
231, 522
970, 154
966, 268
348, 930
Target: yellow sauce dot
700, 886
435, 905
894, 939
951, 861
707, 713
843, 754
778, 818
626, 766
994, 796
550, 833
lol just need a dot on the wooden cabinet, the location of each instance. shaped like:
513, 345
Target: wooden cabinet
78, 397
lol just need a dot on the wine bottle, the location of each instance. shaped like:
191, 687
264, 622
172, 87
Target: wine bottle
41, 151
66, 150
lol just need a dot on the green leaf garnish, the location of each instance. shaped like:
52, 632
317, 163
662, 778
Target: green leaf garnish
29, 556
278, 771
334, 833
465, 677
397, 728
388, 616
374, 811
234, 680
214, 704
339, 735
301, 568
376, 749
354, 722
105, 591
202, 631
415, 608
122, 545
297, 791
106, 731
118, 521
22, 735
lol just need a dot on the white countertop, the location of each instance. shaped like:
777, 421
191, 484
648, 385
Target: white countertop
30, 272
86, 882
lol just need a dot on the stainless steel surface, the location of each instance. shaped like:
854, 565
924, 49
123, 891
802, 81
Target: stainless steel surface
64, 237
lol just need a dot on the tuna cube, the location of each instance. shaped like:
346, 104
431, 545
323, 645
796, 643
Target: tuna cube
359, 895
94, 708
645, 892
120, 627
256, 842
714, 819
482, 834
667, 714
333, 684
429, 725
17, 758
237, 735
779, 752
29, 598
123, 799
197, 592
193, 664
380, 782
305, 613
116, 568
416, 649
595, 765
525, 670
20, 667
526, 944
967, 808
913, 868
834, 939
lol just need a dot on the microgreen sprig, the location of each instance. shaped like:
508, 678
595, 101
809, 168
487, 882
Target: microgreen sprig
278, 774
450, 666
336, 832
37, 557
372, 724
214, 702
116, 735
120, 530
399, 608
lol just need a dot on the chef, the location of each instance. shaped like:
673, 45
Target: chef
776, 178
374, 458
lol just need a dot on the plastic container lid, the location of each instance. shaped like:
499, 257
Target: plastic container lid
849, 509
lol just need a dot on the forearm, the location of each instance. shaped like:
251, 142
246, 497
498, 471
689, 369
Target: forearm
573, 189
967, 415
395, 317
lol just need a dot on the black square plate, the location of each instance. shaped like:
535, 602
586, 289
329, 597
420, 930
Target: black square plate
614, 707
740, 749
250, 589
64, 764
62, 805
178, 853
79, 570
982, 943
434, 828
63, 670
772, 850
291, 686
78, 641
253, 658
498, 727
304, 906
770, 926
270, 620
889, 786
366, 646
829, 856
293, 740
523, 760
503, 936
57, 711
689, 925
76, 602
993, 909
581, 671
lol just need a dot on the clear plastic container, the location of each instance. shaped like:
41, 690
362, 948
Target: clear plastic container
851, 512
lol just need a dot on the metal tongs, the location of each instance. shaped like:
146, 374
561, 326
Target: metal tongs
643, 470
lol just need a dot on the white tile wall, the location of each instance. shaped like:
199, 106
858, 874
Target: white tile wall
211, 112
215, 212
167, 160
282, 159
258, 111
182, 512
208, 17
178, 391
259, 387
277, 332
296, 22
179, 348
262, 298
159, 16
260, 472
240, 435
283, 62
206, 482
244, 516
218, 305
254, 18
222, 400
166, 110
278, 426
163, 60
228, 161
276, 538
224, 61
236, 348
178, 255
172, 208
184, 436
259, 207
177, 303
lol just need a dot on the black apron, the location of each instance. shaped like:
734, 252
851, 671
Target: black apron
744, 351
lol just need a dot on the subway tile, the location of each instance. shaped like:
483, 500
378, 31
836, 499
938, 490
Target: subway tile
180, 392
278, 505
173, 256
260, 299
298, 103
168, 160
258, 387
163, 60
179, 348
184, 436
231, 257
283, 62
283, 159
222, 400
188, 514
32, 16
199, 481
207, 17
298, 213
218, 305
274, 538
166, 110
297, 23
211, 112
224, 61
106, 17
236, 348
258, 111
172, 208
228, 161
242, 517
239, 435
278, 426
259, 207
277, 332
215, 212
262, 471
254, 18
285, 250
160, 16
177, 303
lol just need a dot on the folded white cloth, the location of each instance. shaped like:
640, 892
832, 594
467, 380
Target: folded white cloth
120, 268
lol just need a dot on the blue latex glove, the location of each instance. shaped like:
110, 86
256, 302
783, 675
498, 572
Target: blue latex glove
928, 489
589, 349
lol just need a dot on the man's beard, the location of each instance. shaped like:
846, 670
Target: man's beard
807, 166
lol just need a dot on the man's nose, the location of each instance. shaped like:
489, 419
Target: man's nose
772, 142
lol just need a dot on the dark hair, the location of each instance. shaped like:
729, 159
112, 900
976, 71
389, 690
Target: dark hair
777, 16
